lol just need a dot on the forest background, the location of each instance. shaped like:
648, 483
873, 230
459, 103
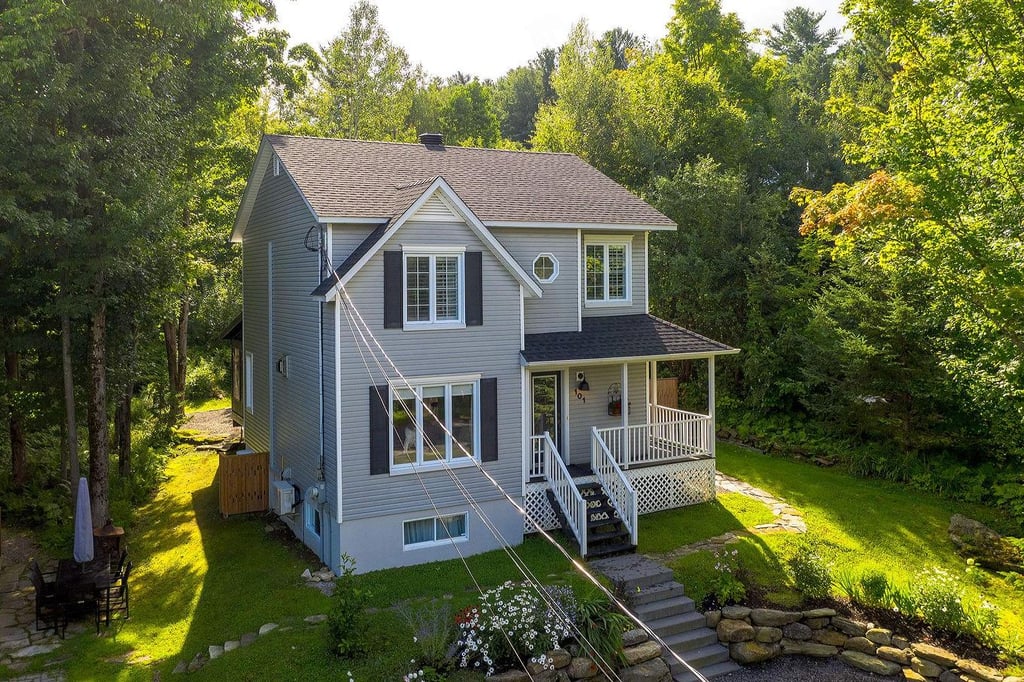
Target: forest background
850, 210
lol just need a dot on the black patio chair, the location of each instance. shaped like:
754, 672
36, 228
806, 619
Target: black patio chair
50, 612
113, 597
118, 570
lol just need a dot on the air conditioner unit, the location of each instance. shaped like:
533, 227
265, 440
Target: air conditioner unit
282, 498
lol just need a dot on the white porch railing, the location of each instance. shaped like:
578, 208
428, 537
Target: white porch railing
672, 434
620, 493
538, 461
574, 507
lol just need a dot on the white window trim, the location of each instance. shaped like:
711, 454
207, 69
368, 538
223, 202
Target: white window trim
432, 252
249, 363
606, 241
435, 543
311, 510
452, 460
554, 273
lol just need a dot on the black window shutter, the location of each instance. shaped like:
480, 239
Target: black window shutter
474, 289
380, 429
489, 420
394, 291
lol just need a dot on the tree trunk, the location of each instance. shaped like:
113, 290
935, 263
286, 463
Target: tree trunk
69, 405
99, 439
123, 432
19, 448
176, 345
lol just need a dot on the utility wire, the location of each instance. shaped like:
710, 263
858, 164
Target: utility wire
516, 505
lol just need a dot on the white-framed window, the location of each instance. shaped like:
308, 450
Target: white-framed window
607, 270
277, 165
435, 290
313, 519
435, 530
248, 381
435, 422
545, 268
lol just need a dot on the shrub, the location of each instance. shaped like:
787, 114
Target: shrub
810, 573
511, 623
433, 632
726, 585
346, 630
983, 622
939, 600
975, 574
204, 380
901, 599
600, 629
874, 588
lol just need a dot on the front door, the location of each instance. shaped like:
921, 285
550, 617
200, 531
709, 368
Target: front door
547, 406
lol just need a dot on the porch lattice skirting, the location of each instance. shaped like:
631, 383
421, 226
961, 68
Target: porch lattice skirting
665, 486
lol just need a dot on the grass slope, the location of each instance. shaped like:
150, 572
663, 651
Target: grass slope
859, 524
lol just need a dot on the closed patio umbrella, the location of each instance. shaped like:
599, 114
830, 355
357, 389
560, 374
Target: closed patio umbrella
83, 524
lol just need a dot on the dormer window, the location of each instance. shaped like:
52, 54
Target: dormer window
607, 271
434, 288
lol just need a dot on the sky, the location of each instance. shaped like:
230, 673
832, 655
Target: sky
486, 38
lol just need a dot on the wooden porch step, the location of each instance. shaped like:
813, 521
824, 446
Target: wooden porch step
619, 534
609, 550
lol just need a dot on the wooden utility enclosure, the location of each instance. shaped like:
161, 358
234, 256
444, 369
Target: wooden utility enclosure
668, 392
244, 483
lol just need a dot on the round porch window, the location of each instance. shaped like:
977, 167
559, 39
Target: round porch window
545, 268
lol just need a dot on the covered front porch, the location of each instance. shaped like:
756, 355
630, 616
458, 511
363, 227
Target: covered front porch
601, 450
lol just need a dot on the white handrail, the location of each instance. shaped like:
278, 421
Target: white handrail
616, 486
569, 497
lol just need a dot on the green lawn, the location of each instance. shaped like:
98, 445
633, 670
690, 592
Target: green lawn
664, 531
201, 580
207, 405
858, 525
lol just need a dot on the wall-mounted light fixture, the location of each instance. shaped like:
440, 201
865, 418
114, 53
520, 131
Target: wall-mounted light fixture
582, 387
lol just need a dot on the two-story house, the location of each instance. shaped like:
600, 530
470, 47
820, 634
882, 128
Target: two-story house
435, 337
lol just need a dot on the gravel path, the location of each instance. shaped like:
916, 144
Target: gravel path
800, 669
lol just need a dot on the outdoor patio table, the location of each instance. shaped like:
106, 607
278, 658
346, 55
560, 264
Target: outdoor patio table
77, 584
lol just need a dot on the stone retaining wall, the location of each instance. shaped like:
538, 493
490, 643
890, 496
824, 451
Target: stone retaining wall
643, 663
756, 635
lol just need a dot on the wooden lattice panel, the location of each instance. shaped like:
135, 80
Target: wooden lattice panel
669, 486
538, 507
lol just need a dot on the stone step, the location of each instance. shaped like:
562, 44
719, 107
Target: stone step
700, 658
661, 608
655, 593
710, 672
678, 623
632, 572
690, 640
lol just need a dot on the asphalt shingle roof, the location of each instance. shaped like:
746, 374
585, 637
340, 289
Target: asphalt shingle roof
362, 179
621, 336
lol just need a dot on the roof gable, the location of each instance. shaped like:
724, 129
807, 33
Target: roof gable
414, 197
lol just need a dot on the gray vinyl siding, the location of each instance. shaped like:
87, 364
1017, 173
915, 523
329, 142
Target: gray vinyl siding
492, 350
280, 218
638, 304
583, 415
557, 310
345, 238
254, 340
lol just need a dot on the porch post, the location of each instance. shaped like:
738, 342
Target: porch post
711, 403
624, 402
